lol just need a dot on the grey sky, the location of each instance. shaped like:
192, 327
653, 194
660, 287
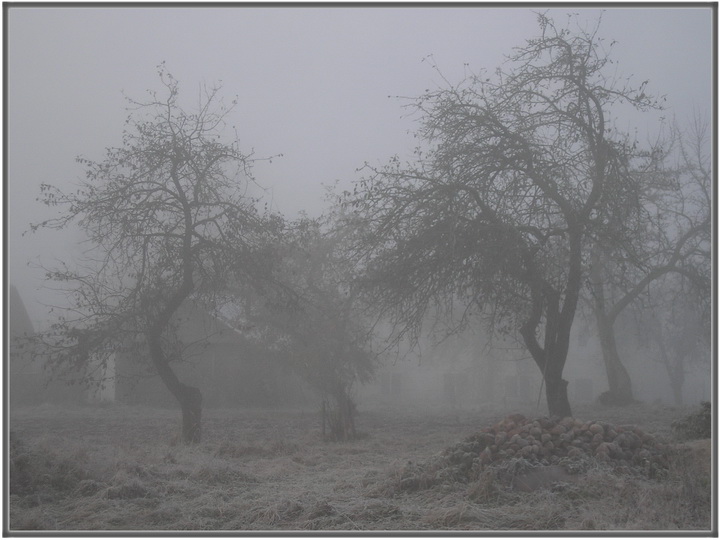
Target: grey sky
313, 85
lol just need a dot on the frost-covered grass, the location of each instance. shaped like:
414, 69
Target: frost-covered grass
122, 468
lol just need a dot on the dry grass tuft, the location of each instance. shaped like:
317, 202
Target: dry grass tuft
377, 512
484, 490
283, 512
75, 472
222, 475
47, 467
458, 516
228, 449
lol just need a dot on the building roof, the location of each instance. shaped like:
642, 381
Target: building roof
19, 322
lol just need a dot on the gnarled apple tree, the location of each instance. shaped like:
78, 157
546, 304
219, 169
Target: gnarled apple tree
168, 219
497, 207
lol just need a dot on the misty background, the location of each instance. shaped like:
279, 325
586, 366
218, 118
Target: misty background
318, 85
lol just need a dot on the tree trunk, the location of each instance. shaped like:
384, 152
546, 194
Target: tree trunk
551, 358
191, 406
557, 397
675, 372
339, 415
619, 383
551, 362
559, 315
677, 389
189, 397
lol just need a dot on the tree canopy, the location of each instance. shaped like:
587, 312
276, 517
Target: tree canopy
169, 217
498, 206
316, 320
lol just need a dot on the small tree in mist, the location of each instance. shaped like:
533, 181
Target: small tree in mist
674, 324
168, 220
662, 228
316, 321
497, 209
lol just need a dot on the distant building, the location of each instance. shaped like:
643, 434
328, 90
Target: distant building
228, 367
28, 383
19, 327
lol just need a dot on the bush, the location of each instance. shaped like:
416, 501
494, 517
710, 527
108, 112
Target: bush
695, 426
44, 468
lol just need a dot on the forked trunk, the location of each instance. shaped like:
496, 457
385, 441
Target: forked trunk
559, 314
551, 359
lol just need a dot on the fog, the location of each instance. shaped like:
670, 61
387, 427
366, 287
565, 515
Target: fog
324, 87
291, 407
313, 85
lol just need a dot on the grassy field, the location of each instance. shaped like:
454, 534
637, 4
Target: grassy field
122, 468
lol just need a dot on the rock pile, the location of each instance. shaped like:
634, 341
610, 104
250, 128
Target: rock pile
547, 440
538, 442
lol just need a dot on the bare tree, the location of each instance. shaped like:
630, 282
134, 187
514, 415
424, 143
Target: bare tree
315, 319
168, 219
677, 329
663, 228
497, 208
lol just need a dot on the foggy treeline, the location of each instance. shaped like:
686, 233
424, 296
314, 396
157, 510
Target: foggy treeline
530, 252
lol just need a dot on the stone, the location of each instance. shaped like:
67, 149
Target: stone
622, 440
614, 449
574, 452
634, 441
603, 449
602, 457
522, 443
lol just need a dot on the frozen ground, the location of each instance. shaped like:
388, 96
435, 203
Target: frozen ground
122, 468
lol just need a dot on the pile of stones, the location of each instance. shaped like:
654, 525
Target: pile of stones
550, 440
539, 442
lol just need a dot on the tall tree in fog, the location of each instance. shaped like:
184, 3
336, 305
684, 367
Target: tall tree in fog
168, 220
497, 207
316, 320
662, 228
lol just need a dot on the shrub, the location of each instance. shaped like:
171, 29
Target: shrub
695, 426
